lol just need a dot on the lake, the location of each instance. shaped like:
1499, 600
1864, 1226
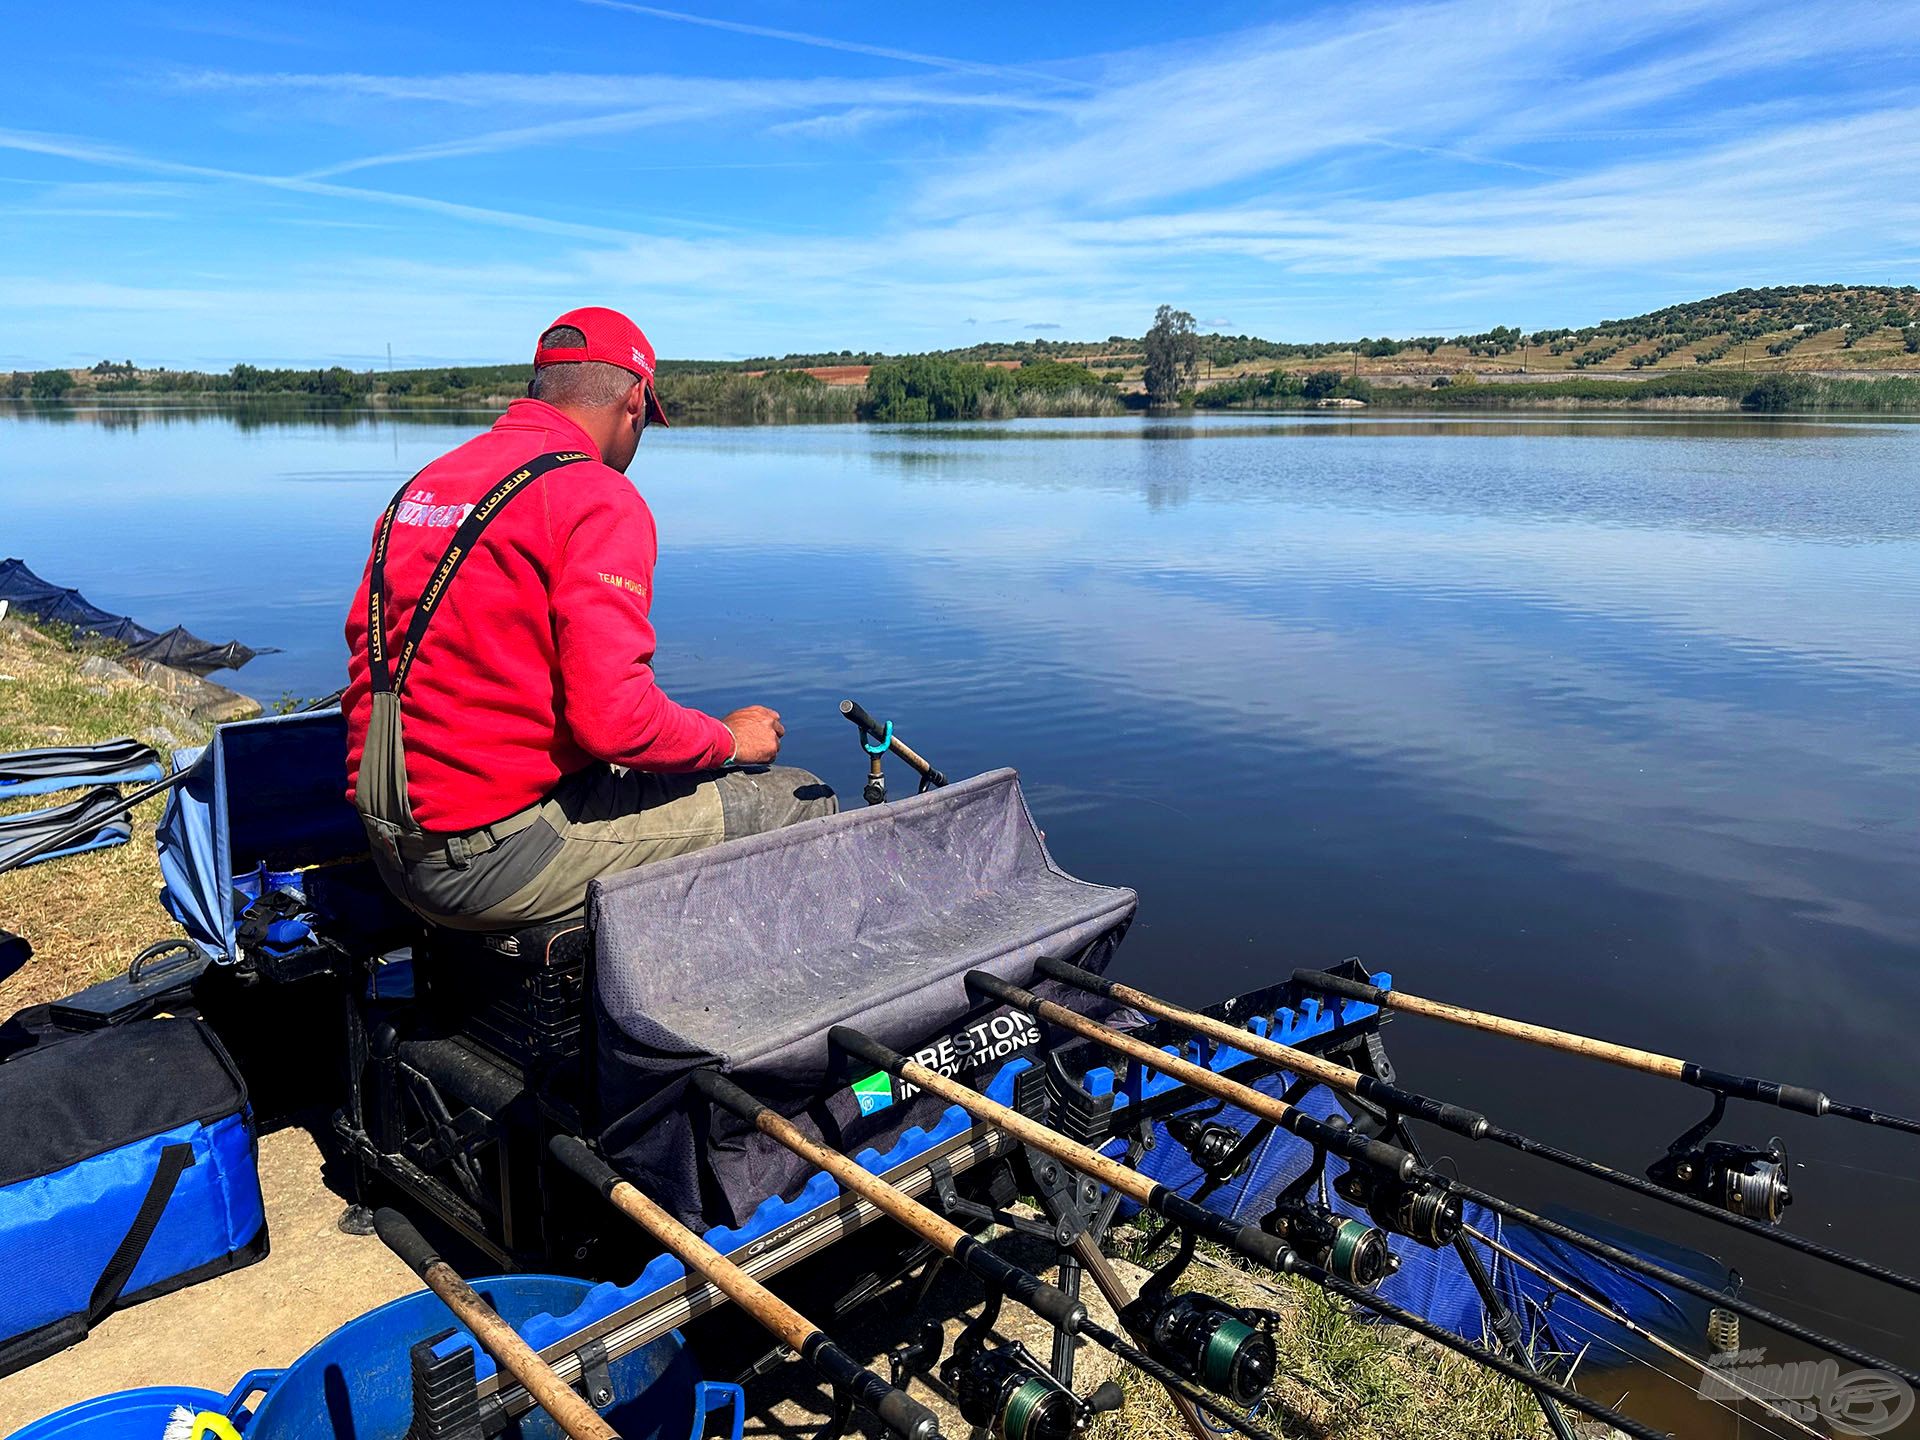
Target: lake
1606, 721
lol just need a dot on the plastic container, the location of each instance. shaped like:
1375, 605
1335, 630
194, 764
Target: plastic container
127, 1415
357, 1384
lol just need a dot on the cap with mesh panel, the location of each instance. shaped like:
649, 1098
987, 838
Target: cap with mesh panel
612, 339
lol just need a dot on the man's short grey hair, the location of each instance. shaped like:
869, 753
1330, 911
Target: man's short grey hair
582, 384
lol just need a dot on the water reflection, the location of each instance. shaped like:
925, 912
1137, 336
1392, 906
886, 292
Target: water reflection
1605, 721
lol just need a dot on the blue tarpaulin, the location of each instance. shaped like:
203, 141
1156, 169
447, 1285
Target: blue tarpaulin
1434, 1283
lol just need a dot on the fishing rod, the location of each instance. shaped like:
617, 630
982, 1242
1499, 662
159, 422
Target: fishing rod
878, 740
81, 830
1418, 1202
560, 1400
1051, 1411
1464, 1122
1800, 1098
1274, 1254
850, 1380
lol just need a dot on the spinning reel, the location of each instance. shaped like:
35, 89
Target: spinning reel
1747, 1180
1219, 1150
1004, 1391
1350, 1249
1422, 1209
1227, 1349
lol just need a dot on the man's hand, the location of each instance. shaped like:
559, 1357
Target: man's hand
756, 735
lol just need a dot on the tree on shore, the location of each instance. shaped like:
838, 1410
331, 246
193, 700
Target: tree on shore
1173, 355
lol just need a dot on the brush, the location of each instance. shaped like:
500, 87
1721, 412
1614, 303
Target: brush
185, 1424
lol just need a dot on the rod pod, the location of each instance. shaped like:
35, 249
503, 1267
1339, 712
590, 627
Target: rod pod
499, 1339
1346, 1143
1047, 1301
897, 1410
1000, 1275
1248, 1240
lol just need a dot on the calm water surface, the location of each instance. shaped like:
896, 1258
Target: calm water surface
1612, 723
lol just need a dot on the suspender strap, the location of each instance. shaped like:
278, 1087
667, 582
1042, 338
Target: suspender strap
392, 675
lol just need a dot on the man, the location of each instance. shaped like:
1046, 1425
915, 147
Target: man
507, 741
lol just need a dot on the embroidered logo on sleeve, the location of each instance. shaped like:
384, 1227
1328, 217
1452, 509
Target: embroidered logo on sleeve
632, 587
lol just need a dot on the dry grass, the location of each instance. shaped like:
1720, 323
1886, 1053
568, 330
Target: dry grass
87, 915
1340, 1377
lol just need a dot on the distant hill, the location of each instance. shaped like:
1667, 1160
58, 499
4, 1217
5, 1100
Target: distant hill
1825, 328
1789, 327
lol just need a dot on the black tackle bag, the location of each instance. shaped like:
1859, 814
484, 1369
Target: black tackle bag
127, 1170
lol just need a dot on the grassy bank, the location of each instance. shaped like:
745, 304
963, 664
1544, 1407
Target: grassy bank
89, 915
1340, 1376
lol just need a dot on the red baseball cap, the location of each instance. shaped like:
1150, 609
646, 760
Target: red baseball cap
612, 339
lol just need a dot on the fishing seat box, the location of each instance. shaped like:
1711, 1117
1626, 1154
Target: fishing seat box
127, 1170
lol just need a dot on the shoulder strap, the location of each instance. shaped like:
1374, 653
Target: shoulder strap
393, 676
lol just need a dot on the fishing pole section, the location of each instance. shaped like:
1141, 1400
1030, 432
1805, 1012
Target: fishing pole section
1003, 1388
1204, 1338
852, 1383
436, 1395
1399, 1193
1722, 1085
1730, 1196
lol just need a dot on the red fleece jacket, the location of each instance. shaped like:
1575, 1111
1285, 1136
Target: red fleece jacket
540, 659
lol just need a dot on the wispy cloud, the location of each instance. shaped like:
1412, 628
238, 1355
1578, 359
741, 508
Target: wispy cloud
1422, 165
851, 47
1459, 79
88, 152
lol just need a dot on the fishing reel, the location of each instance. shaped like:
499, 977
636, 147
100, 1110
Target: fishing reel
1349, 1249
1228, 1350
1219, 1150
1423, 1209
1746, 1180
1004, 1391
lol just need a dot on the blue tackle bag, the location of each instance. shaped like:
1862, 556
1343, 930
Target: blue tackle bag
127, 1170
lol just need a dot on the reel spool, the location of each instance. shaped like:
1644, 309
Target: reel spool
1747, 1180
1425, 1210
1003, 1391
1227, 1350
1350, 1249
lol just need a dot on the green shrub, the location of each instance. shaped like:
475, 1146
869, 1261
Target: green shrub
1779, 392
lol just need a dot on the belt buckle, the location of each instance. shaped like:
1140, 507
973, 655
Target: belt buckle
459, 852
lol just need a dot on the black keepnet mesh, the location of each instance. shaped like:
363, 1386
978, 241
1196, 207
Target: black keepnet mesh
743, 957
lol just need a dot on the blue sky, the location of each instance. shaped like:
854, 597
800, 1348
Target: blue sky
197, 184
